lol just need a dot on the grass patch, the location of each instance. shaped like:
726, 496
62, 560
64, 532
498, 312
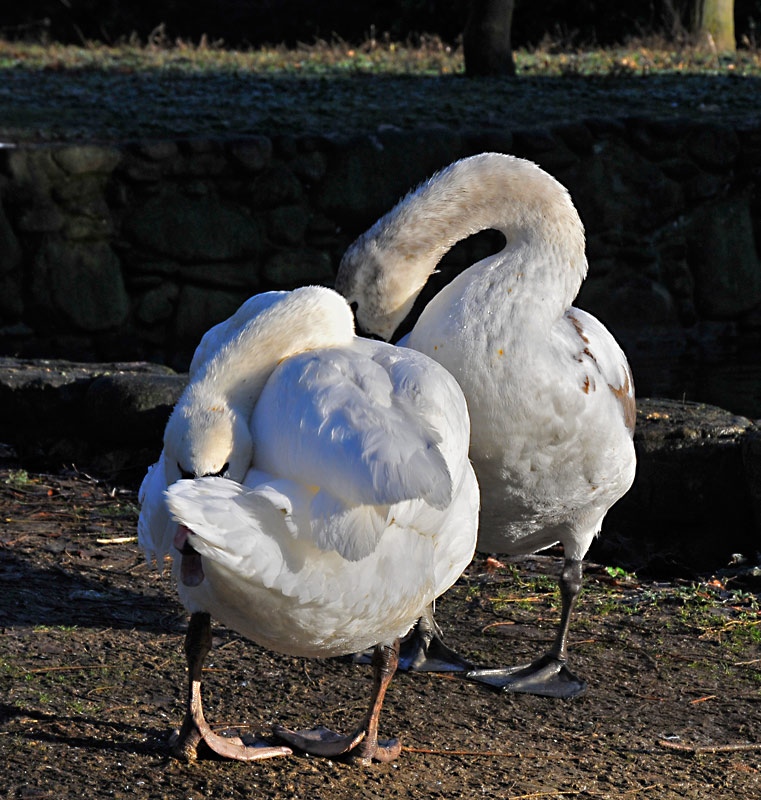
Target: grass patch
18, 478
375, 56
166, 89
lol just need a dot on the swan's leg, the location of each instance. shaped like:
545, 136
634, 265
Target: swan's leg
184, 744
423, 650
363, 744
548, 676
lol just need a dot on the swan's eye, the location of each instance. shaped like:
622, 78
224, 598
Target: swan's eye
354, 306
185, 474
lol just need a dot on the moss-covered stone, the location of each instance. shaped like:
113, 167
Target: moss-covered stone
291, 268
723, 258
194, 228
81, 282
80, 159
368, 177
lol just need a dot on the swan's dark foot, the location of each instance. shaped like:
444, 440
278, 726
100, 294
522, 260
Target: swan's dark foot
547, 676
321, 741
423, 650
420, 652
363, 745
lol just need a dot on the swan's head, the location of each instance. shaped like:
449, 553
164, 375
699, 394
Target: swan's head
207, 438
373, 284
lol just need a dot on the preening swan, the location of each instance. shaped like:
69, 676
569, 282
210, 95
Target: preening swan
332, 498
550, 394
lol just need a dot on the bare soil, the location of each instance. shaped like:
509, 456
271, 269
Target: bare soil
92, 679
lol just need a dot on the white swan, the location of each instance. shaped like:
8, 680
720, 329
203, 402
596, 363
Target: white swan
347, 502
549, 391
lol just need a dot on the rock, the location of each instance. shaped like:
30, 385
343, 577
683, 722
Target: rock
194, 228
43, 217
622, 298
577, 136
690, 507
32, 169
254, 154
288, 224
138, 402
158, 150
713, 147
81, 159
10, 249
310, 167
276, 186
618, 189
722, 256
752, 462
239, 275
157, 304
541, 146
291, 268
142, 170
11, 298
59, 411
81, 281
199, 309
374, 172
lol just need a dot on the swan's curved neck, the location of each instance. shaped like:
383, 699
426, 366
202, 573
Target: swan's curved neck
543, 232
304, 319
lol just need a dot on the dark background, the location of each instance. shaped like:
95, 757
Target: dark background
255, 22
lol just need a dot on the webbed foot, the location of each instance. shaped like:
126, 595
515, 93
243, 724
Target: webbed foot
421, 653
422, 650
548, 676
322, 741
184, 743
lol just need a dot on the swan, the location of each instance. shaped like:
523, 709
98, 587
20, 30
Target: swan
549, 391
315, 491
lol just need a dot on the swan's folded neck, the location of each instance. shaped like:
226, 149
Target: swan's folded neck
304, 319
385, 269
209, 424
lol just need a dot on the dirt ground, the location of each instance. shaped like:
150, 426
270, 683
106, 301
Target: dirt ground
92, 679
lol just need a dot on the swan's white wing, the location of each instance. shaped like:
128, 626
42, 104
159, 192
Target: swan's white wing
342, 422
598, 349
154, 528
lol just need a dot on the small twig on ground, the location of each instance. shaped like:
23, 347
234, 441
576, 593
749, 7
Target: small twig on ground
495, 624
708, 748
117, 540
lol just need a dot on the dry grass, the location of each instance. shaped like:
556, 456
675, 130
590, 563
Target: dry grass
428, 55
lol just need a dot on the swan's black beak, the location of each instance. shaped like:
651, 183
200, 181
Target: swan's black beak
358, 329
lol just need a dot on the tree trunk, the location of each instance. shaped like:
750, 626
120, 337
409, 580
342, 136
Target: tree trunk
713, 22
486, 39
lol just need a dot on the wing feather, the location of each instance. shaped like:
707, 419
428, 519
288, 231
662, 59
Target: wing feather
334, 419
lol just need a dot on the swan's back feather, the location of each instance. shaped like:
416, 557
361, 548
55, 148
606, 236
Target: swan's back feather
359, 437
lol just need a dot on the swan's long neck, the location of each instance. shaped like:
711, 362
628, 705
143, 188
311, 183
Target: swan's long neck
304, 319
209, 427
385, 269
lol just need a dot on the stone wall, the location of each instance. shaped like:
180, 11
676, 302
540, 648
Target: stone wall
131, 252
